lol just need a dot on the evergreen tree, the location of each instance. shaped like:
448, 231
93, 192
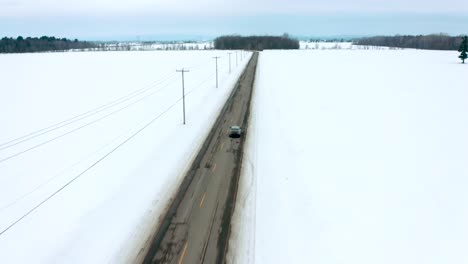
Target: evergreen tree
463, 49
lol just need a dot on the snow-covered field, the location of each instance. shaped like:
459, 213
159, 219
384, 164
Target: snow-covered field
92, 147
339, 46
325, 45
355, 157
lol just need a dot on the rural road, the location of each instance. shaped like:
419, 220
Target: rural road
196, 227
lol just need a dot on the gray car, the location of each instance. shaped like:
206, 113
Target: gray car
235, 131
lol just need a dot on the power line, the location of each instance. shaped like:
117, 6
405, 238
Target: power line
50, 179
90, 167
47, 181
80, 127
79, 117
109, 153
87, 124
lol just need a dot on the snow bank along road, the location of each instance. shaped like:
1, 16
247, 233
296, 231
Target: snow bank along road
91, 187
197, 225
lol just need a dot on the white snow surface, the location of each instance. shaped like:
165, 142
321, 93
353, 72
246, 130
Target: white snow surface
92, 188
355, 156
325, 45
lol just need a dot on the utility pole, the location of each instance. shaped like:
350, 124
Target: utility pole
236, 58
216, 58
230, 62
183, 90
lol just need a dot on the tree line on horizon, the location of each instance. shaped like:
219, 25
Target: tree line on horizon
428, 42
44, 43
255, 42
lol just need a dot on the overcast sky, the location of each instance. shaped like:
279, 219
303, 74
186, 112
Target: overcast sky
94, 19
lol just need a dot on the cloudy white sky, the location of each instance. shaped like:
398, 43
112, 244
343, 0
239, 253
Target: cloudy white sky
94, 19
17, 8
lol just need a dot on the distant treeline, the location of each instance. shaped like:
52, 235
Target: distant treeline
430, 42
255, 42
20, 44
